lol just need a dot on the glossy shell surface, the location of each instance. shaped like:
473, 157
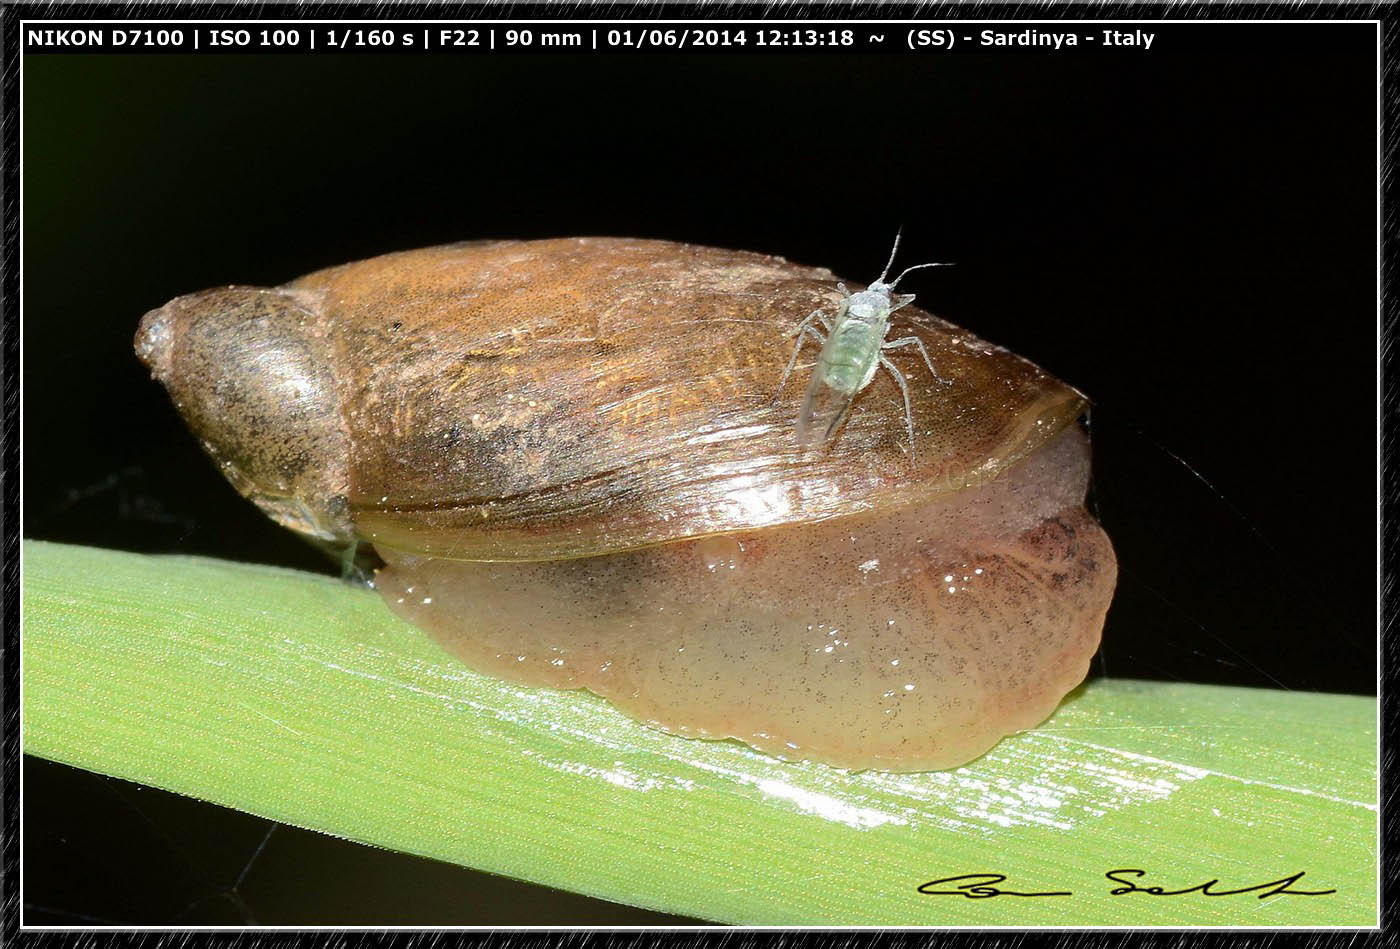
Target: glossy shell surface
555, 399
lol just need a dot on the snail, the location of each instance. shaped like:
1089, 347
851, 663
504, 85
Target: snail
567, 456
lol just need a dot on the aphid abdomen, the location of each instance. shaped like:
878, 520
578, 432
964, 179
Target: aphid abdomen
844, 373
845, 366
849, 359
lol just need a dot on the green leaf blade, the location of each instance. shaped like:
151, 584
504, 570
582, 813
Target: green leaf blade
303, 700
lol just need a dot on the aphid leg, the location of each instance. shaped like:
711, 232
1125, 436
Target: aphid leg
915, 341
814, 315
836, 420
803, 330
904, 388
821, 341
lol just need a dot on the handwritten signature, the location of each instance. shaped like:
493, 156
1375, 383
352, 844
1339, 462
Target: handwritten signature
981, 886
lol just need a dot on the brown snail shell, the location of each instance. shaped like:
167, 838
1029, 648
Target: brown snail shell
568, 454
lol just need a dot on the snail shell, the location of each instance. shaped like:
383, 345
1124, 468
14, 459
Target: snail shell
568, 456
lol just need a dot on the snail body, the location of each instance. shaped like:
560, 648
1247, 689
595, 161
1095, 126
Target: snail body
567, 455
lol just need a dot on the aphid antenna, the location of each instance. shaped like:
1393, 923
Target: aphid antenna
895, 282
895, 250
890, 263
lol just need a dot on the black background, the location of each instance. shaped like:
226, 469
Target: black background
1188, 238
